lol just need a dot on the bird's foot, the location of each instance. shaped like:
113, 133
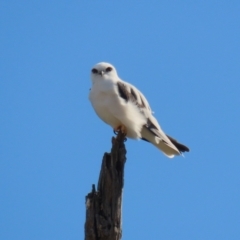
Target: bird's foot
121, 129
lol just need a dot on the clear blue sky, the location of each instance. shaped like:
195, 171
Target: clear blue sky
183, 55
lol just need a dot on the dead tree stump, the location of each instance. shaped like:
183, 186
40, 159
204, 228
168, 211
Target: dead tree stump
104, 205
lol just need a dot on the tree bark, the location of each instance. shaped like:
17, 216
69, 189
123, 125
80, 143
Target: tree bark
104, 206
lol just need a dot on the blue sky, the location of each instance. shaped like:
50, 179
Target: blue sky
183, 55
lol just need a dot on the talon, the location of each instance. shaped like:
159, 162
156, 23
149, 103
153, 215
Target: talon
124, 130
121, 128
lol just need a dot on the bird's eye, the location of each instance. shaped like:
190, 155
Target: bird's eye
94, 70
108, 69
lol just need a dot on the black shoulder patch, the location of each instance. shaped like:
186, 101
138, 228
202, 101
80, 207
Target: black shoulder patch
123, 93
129, 96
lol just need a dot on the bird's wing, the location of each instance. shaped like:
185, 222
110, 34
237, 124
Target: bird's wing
130, 93
151, 130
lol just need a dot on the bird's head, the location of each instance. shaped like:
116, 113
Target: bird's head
103, 71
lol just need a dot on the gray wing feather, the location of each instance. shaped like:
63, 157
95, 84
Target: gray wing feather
151, 131
130, 93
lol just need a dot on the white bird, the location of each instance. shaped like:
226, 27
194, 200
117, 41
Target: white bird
124, 108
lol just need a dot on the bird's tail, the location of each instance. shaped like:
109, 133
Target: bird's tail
169, 146
179, 146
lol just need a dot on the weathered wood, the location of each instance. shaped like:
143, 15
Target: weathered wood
104, 206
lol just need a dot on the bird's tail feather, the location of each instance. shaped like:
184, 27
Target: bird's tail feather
179, 146
165, 145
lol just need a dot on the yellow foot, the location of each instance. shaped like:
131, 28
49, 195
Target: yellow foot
121, 128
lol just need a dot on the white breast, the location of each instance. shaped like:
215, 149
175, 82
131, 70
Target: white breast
103, 102
116, 111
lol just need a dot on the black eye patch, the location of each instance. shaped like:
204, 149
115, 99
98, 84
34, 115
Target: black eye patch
94, 70
108, 69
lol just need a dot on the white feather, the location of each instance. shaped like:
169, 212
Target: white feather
133, 113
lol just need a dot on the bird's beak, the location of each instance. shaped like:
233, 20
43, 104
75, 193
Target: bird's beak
101, 73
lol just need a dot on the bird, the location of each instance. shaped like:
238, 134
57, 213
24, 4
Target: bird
122, 106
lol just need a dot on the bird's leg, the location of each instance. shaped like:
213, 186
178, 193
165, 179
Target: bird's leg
121, 128
116, 130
